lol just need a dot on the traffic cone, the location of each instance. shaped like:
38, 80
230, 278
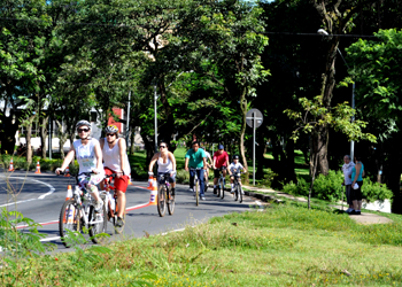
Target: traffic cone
11, 167
69, 192
154, 193
37, 167
150, 182
67, 173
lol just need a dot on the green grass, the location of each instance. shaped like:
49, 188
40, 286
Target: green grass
284, 245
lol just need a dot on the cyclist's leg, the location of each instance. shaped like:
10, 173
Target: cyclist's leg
172, 180
232, 183
192, 174
121, 184
201, 177
216, 176
94, 180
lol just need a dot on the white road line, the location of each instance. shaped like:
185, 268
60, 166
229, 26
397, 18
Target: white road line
50, 239
51, 190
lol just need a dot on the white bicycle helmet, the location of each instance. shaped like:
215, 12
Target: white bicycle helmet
111, 129
83, 123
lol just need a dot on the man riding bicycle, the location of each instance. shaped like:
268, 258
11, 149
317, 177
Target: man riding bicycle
89, 157
234, 170
166, 164
220, 162
116, 161
196, 163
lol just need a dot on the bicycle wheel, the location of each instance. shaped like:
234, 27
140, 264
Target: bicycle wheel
97, 223
69, 221
197, 197
236, 193
171, 201
118, 230
161, 200
240, 194
222, 183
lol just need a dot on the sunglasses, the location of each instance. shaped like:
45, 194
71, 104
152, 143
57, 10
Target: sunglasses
82, 130
110, 135
162, 146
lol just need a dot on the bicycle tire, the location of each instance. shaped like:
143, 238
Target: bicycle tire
222, 188
171, 201
99, 227
67, 222
240, 194
236, 193
197, 197
161, 200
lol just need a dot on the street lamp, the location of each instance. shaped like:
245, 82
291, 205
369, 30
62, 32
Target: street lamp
352, 143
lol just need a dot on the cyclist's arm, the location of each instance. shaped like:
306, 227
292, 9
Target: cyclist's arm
173, 159
98, 155
123, 154
152, 162
186, 163
214, 163
204, 160
69, 157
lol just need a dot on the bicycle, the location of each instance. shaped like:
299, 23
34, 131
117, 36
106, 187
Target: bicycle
221, 183
238, 192
111, 202
165, 196
196, 186
78, 212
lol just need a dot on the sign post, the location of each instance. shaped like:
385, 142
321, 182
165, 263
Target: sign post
254, 119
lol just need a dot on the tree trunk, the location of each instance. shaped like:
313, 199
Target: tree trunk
43, 133
290, 161
29, 145
243, 108
7, 134
322, 153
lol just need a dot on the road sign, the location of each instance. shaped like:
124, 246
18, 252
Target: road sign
254, 119
254, 116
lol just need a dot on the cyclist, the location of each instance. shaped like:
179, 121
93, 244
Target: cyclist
196, 159
234, 169
220, 161
209, 165
116, 161
89, 157
166, 164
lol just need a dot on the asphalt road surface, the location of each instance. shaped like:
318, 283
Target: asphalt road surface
40, 197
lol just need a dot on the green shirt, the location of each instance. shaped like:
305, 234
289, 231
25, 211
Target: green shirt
196, 158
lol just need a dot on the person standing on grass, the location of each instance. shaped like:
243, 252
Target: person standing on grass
347, 182
357, 182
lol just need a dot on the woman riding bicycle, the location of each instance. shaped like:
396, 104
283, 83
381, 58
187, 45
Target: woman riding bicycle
166, 164
89, 157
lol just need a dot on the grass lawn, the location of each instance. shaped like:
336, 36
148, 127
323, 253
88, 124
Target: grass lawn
284, 245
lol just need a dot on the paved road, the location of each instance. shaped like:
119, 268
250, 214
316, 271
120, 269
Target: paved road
40, 197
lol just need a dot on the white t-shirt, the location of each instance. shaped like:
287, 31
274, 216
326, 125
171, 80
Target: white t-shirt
85, 155
165, 167
347, 170
235, 167
112, 160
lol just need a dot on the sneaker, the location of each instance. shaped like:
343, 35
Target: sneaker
353, 212
358, 212
98, 206
203, 198
119, 222
349, 210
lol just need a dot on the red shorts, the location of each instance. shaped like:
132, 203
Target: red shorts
120, 183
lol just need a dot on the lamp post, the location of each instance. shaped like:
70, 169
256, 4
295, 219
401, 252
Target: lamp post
352, 143
156, 118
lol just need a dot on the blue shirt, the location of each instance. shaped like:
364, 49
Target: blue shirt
360, 177
196, 158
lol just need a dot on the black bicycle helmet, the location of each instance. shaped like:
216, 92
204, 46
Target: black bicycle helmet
236, 157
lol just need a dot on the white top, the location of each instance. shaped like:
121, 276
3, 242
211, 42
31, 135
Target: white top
165, 167
85, 155
235, 168
347, 170
112, 160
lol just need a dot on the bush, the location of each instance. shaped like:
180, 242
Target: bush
330, 188
268, 178
373, 191
183, 176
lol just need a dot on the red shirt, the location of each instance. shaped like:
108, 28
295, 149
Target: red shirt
220, 159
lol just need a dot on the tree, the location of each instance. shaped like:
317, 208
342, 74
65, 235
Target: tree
316, 116
376, 69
